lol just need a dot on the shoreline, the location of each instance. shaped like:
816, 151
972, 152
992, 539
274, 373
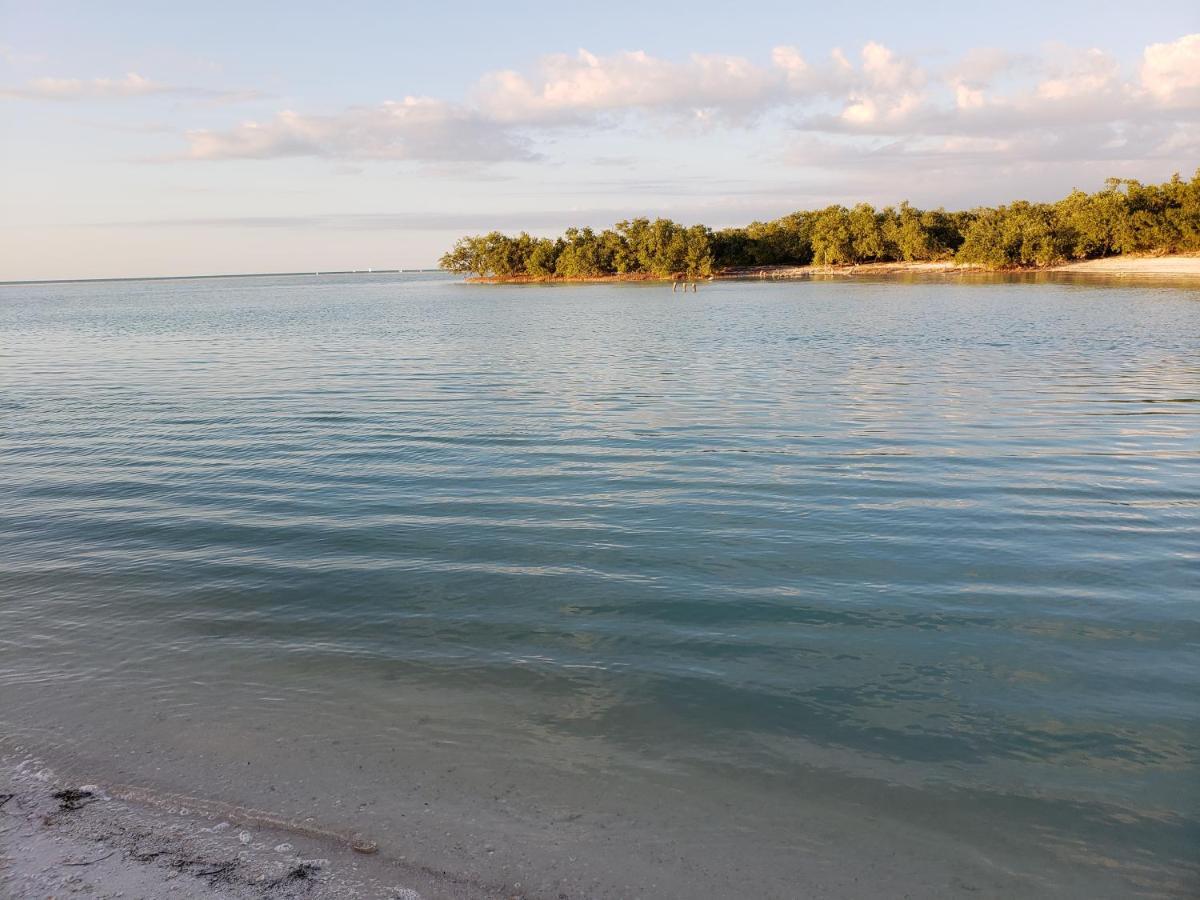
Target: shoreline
63, 831
1171, 266
61, 837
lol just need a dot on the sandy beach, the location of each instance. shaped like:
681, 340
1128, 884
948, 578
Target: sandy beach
58, 841
866, 270
1179, 266
862, 270
1169, 266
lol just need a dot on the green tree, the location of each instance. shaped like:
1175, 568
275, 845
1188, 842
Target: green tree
1126, 216
866, 233
907, 234
1021, 233
732, 247
698, 252
466, 256
543, 258
581, 255
832, 238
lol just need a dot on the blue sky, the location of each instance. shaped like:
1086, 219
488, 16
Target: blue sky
152, 138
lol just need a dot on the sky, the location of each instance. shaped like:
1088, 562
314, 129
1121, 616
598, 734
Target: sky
150, 138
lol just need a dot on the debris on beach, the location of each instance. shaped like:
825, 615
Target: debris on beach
71, 799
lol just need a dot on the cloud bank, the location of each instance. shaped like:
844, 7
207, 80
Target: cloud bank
1063, 104
417, 128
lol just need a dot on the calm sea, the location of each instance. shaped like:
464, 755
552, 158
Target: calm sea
773, 590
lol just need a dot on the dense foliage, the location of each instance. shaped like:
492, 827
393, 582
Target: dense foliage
660, 248
1125, 217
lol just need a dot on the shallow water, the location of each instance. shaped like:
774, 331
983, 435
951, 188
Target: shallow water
607, 588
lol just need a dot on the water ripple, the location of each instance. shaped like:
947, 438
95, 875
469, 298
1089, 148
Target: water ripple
945, 532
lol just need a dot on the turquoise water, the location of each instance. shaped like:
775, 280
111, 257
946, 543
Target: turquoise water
733, 568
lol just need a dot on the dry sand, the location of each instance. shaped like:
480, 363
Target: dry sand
1170, 266
1115, 266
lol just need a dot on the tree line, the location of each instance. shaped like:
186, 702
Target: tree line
1125, 217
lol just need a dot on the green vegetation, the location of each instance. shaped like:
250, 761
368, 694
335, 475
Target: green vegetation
660, 249
1125, 217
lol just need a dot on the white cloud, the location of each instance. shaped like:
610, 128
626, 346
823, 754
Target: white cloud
568, 88
1084, 75
415, 128
885, 90
1170, 73
966, 97
884, 71
130, 85
571, 89
798, 74
1066, 103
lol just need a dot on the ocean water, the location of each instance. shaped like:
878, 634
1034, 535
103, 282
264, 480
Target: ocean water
774, 590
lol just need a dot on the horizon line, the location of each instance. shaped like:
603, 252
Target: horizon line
317, 272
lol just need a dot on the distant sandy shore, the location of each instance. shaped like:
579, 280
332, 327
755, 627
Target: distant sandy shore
1118, 266
764, 272
1188, 266
862, 270
1153, 266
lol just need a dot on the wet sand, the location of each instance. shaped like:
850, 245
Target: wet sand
87, 840
111, 840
